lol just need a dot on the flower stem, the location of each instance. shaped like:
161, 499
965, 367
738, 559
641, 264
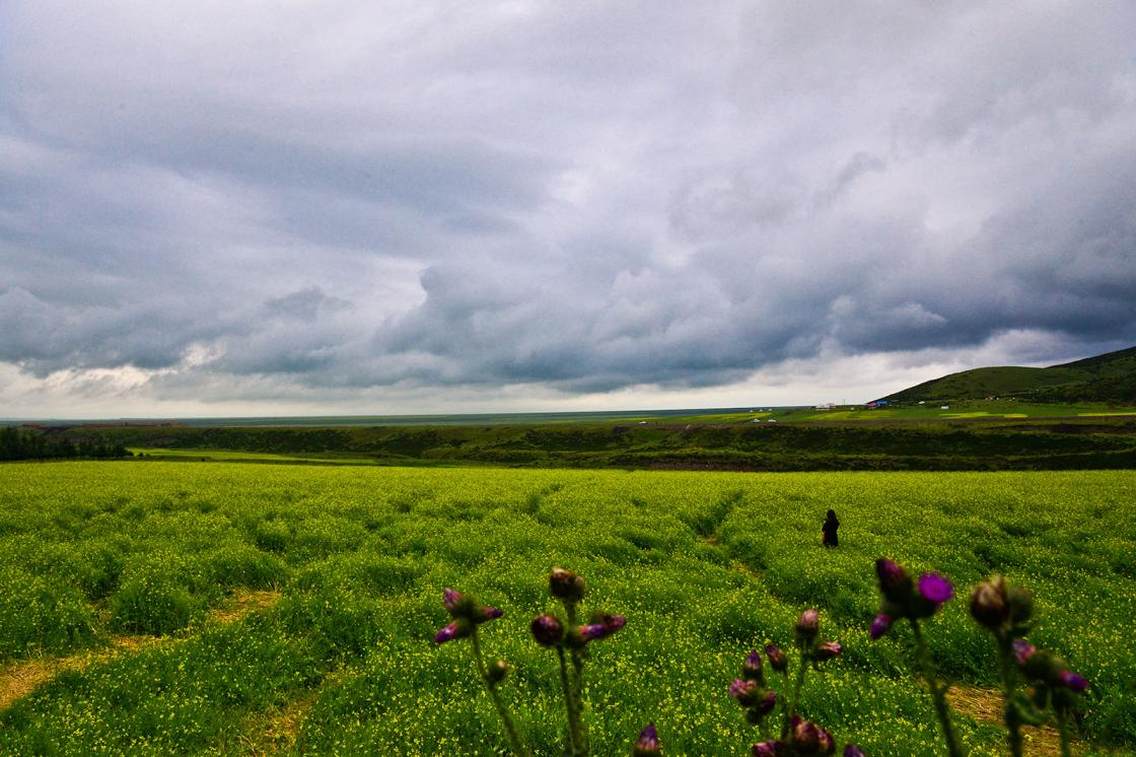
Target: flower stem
491, 688
1063, 730
1009, 687
800, 682
577, 656
569, 704
938, 693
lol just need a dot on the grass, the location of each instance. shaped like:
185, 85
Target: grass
705, 566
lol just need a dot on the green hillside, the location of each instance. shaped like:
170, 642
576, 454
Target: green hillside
1110, 377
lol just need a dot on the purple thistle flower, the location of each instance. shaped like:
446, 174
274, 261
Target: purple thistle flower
648, 742
1073, 681
935, 588
880, 626
1023, 651
449, 633
767, 749
808, 625
767, 702
486, 614
827, 650
597, 631
745, 692
851, 750
547, 630
451, 598
777, 659
893, 579
751, 668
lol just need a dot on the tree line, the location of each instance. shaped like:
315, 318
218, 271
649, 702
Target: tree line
32, 444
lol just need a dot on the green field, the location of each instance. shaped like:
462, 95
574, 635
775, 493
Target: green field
704, 565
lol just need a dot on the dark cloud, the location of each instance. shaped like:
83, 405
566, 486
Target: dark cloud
428, 199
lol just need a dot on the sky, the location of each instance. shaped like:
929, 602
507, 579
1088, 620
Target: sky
354, 207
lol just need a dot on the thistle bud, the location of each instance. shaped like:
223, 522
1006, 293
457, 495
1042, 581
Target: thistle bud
766, 703
809, 738
547, 630
486, 614
1072, 681
497, 672
460, 606
1023, 650
851, 750
767, 749
777, 659
807, 627
648, 743
451, 598
895, 584
596, 631
827, 650
751, 668
745, 692
989, 604
566, 585
455, 630
1021, 604
880, 626
1041, 665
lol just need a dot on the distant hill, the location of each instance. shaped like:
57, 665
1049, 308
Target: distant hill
1110, 377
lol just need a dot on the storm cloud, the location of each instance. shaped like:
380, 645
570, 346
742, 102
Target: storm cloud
406, 205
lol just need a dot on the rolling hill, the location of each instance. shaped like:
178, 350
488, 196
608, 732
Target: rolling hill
1110, 377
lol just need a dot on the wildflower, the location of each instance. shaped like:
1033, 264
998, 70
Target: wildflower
826, 651
767, 749
451, 599
486, 613
751, 668
766, 704
648, 742
745, 692
1023, 650
810, 738
777, 659
1072, 681
455, 630
608, 625
547, 630
807, 626
1021, 604
851, 750
880, 626
933, 591
566, 585
895, 584
989, 604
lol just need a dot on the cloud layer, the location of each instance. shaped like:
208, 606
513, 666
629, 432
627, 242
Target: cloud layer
414, 205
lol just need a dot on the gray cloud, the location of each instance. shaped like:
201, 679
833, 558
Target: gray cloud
310, 201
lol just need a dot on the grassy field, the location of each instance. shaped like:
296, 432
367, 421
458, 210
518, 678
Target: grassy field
95, 558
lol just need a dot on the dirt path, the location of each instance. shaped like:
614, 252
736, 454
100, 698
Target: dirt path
25, 676
986, 705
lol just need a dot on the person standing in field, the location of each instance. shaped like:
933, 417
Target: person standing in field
829, 529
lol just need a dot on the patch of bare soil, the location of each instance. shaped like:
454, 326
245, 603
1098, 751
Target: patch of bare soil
21, 678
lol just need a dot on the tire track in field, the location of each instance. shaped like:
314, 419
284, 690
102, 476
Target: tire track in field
21, 678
